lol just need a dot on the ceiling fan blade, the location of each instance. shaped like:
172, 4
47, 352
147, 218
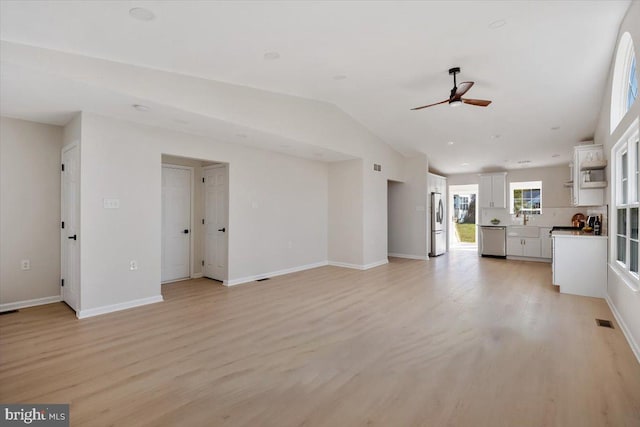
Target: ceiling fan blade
478, 102
430, 105
462, 89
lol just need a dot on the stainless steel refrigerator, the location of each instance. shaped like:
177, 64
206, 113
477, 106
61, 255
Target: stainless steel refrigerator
438, 228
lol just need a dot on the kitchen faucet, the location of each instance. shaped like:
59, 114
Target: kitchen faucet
524, 216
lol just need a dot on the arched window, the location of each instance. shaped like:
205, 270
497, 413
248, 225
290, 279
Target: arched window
624, 90
632, 92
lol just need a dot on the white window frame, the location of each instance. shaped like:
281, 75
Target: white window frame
620, 83
629, 143
463, 201
525, 185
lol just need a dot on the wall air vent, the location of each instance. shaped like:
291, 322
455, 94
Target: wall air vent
377, 167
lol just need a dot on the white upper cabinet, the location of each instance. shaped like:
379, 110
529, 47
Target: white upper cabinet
589, 178
493, 191
437, 184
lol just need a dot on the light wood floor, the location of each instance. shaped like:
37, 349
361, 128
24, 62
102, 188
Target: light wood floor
454, 341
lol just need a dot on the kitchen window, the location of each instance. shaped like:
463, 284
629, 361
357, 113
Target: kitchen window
526, 197
626, 199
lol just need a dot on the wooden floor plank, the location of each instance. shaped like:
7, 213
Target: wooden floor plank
453, 341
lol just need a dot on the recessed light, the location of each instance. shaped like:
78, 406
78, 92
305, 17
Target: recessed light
271, 56
555, 128
340, 77
141, 107
450, 143
241, 135
141, 14
497, 24
464, 164
555, 155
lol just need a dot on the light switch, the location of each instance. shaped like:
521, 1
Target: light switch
111, 203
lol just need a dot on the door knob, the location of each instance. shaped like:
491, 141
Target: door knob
186, 231
74, 237
223, 229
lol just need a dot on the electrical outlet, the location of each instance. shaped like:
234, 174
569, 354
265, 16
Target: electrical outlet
25, 264
111, 203
133, 265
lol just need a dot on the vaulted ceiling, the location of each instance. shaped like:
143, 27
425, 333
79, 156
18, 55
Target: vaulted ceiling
544, 64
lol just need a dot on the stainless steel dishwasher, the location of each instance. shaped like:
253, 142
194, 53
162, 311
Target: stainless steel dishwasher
494, 242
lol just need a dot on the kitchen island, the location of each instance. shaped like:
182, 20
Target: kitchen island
580, 263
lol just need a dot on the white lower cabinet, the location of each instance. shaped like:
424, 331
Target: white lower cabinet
580, 264
523, 246
546, 243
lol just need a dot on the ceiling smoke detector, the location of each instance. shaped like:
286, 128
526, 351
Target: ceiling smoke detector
142, 14
497, 24
271, 56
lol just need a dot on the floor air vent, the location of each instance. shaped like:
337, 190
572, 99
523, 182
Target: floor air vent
262, 280
604, 323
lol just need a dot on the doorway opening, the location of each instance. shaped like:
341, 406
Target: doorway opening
463, 218
195, 209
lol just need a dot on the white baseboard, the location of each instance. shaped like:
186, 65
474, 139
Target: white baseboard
197, 275
375, 264
625, 330
83, 314
359, 266
407, 256
526, 258
29, 303
233, 282
345, 265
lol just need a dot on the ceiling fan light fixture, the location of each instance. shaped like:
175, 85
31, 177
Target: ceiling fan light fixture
455, 103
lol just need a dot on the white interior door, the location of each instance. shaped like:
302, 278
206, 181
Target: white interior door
216, 221
70, 216
176, 222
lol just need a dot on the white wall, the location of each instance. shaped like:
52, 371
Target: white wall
554, 193
374, 216
346, 213
277, 208
624, 301
408, 234
29, 211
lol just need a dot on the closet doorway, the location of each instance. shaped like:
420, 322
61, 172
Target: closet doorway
195, 214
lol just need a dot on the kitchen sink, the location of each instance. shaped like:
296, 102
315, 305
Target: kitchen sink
523, 231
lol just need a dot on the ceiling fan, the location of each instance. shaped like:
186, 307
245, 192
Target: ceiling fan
456, 98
